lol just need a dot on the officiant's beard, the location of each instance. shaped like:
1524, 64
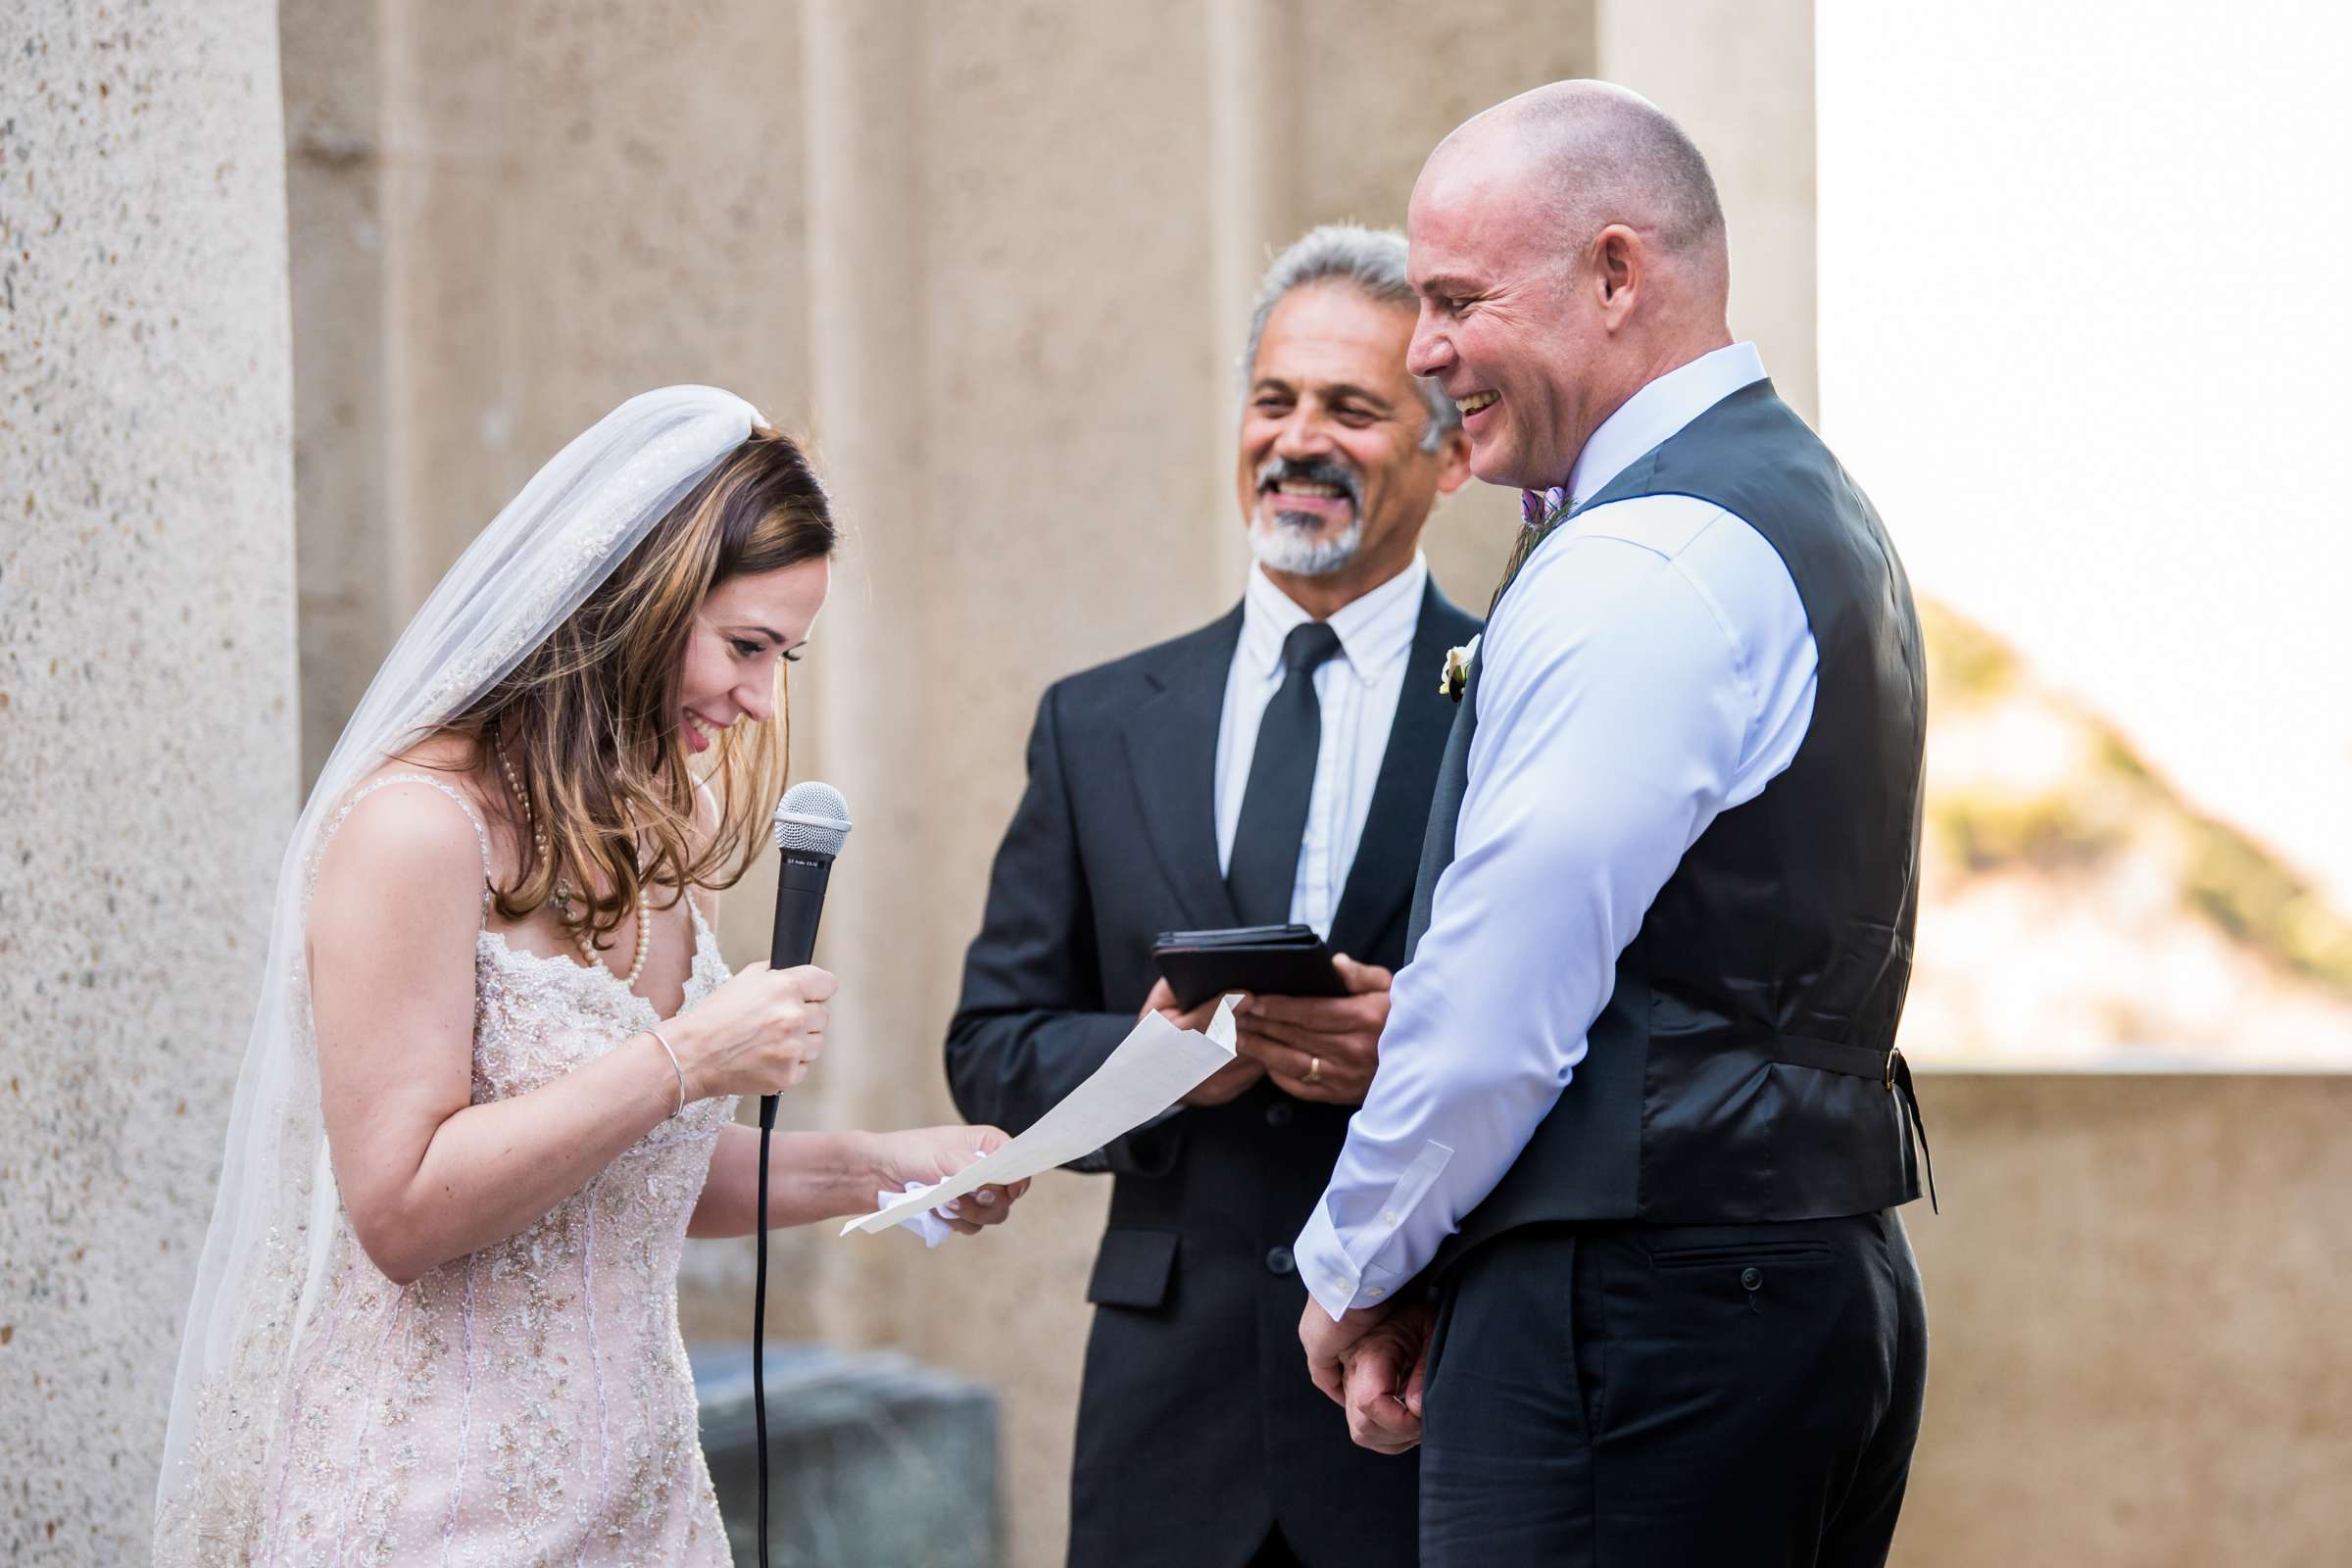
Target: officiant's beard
1286, 542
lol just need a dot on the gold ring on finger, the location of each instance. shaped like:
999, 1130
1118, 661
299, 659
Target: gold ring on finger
1314, 1069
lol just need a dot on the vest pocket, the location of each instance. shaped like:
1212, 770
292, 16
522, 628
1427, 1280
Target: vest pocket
1133, 1269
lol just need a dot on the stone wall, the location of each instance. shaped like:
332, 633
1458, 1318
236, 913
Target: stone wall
147, 719
2136, 1324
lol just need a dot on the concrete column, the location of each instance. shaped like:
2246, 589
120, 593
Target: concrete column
147, 719
349, 605
1739, 75
1022, 420
871, 677
1380, 86
1253, 202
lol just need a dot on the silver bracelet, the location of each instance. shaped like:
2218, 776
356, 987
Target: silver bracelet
673, 1068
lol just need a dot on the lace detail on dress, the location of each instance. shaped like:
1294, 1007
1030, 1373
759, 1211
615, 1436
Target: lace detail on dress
530, 1402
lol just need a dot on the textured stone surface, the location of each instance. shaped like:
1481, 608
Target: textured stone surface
349, 604
147, 732
2136, 1304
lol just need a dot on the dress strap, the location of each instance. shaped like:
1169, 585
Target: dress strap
481, 833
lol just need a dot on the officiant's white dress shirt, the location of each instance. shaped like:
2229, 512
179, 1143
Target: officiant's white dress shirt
1357, 690
1650, 667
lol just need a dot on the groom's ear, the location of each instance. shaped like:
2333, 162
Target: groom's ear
1620, 265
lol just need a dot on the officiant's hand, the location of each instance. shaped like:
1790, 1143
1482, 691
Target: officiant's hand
928, 1154
1320, 1048
1226, 1083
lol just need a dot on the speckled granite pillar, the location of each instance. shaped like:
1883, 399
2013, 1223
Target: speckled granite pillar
147, 723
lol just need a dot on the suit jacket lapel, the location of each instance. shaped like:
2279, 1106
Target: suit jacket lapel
1380, 884
1172, 756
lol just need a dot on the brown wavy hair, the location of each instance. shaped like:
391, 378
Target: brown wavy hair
589, 719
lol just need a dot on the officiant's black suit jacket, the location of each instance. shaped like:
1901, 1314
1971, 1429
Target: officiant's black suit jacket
1198, 1426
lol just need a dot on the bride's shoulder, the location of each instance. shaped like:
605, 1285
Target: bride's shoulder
418, 819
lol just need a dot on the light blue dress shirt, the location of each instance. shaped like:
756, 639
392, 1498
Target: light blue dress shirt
1650, 667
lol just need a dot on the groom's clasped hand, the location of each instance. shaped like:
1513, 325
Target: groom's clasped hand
1378, 1379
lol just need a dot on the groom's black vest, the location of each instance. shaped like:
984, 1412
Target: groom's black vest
1744, 1070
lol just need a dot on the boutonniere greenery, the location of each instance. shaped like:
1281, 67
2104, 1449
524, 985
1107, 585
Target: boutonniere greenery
1454, 678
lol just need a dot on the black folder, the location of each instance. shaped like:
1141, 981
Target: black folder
1275, 961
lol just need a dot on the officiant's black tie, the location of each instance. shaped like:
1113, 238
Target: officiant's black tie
1264, 867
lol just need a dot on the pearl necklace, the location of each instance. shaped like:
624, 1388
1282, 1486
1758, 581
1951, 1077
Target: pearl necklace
645, 919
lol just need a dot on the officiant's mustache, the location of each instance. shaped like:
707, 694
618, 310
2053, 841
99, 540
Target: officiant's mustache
1279, 470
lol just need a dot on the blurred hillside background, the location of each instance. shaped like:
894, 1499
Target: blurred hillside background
297, 292
2113, 468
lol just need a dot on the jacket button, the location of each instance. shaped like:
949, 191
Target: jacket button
1278, 1114
1751, 1278
1280, 1261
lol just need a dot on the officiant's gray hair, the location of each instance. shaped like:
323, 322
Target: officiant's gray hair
1372, 260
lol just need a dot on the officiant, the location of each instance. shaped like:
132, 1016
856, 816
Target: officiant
1273, 767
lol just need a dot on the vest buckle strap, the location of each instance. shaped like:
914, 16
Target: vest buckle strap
1898, 1084
1892, 1070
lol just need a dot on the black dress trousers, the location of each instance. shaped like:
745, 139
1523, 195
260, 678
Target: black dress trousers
1674, 1395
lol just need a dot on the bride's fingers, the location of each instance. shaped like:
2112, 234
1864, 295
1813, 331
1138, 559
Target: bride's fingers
995, 1202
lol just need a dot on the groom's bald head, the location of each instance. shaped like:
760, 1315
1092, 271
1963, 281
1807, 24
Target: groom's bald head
1568, 248
1574, 157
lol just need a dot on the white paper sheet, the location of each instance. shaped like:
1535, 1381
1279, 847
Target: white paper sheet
1154, 1067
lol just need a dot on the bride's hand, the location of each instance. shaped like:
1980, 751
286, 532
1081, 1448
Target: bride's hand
755, 1035
927, 1154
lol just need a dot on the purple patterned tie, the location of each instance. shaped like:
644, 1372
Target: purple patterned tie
1540, 512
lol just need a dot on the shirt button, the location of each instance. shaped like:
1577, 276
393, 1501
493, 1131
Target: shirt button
1279, 1261
1388, 1217
1377, 1292
1750, 1278
1278, 1114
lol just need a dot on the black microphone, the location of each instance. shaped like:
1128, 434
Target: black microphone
813, 823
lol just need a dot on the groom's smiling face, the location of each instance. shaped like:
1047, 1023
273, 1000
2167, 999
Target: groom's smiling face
1501, 331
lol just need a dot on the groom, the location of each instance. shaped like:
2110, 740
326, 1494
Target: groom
1639, 1114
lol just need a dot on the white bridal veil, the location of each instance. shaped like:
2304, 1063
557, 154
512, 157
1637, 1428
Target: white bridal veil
265, 1254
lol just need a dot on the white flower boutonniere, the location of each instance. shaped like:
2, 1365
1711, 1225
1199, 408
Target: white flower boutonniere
1454, 678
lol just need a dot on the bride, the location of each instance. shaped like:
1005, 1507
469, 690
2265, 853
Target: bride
491, 1084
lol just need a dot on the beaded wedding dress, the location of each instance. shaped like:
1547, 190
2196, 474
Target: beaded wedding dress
530, 1403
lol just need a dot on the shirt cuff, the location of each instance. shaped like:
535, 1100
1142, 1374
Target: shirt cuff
1333, 1277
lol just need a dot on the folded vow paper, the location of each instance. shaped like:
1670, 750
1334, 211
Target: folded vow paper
1154, 1067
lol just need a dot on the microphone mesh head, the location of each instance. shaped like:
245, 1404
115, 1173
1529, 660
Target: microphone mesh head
813, 820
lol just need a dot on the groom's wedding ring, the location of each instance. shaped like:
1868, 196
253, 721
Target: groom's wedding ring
1314, 1069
